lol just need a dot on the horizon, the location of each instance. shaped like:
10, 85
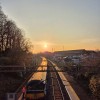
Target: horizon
66, 51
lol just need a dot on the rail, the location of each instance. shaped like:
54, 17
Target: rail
57, 91
55, 86
70, 91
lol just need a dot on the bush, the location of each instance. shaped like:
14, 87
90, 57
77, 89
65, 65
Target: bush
95, 86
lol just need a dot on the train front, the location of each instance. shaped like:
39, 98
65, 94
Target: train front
36, 87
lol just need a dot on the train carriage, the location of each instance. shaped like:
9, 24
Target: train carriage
35, 90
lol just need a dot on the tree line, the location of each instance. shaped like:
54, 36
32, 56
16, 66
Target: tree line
12, 41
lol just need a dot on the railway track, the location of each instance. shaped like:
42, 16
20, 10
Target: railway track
55, 88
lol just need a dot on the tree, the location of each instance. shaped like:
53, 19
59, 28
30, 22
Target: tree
13, 43
95, 86
2, 27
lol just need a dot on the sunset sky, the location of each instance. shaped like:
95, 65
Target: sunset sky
57, 24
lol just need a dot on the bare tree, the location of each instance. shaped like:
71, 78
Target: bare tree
2, 27
12, 41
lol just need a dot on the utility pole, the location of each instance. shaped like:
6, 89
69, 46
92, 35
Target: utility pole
52, 49
33, 49
63, 48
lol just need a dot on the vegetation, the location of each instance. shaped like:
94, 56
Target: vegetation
14, 48
95, 86
87, 74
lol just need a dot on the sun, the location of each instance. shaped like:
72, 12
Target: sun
45, 45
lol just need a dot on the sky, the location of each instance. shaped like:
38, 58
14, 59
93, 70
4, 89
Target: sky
53, 25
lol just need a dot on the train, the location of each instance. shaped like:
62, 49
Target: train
36, 86
35, 90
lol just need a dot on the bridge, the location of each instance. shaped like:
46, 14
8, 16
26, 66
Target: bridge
27, 69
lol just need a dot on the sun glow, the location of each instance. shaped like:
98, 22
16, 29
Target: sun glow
45, 45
